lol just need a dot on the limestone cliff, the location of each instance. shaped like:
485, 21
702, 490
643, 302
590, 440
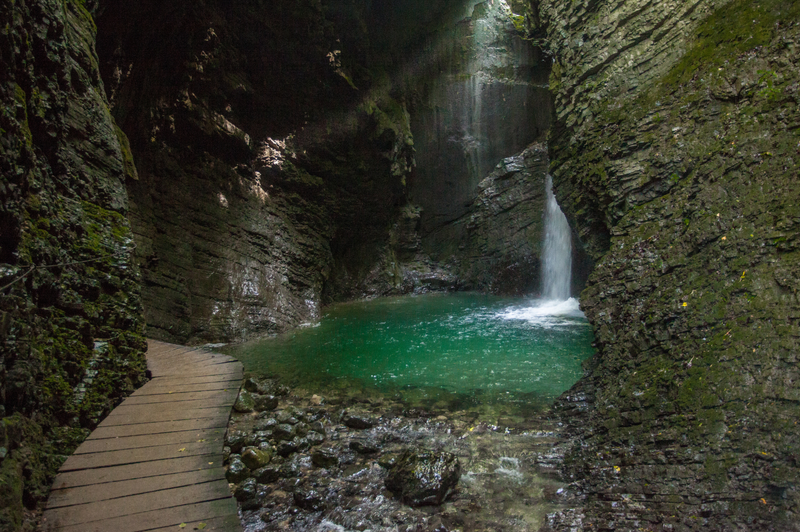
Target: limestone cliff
70, 310
288, 155
674, 151
268, 157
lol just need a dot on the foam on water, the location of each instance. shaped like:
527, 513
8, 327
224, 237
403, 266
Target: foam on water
547, 313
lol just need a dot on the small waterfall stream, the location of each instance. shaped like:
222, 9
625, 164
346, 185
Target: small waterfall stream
557, 250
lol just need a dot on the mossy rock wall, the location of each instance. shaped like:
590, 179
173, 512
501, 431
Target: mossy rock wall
70, 312
675, 154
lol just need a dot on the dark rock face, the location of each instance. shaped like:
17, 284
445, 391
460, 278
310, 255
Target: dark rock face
280, 173
675, 152
70, 311
482, 97
496, 244
423, 478
262, 167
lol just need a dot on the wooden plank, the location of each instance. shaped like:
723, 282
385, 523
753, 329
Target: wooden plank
169, 517
123, 488
146, 454
166, 367
148, 440
198, 356
208, 397
133, 408
167, 498
176, 386
119, 431
232, 370
228, 523
85, 477
148, 416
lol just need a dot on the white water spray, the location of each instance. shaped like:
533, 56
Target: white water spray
557, 252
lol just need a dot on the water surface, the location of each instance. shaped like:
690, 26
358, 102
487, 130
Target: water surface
455, 348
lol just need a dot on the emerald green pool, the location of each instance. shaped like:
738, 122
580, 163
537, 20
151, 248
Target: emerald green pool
460, 348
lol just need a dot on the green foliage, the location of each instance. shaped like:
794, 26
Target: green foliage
734, 29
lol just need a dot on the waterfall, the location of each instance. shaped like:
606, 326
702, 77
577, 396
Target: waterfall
557, 249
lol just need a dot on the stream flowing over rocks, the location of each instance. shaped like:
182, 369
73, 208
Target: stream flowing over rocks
369, 462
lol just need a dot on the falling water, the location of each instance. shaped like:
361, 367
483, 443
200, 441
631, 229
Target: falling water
557, 253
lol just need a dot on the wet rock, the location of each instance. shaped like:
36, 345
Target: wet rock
226, 453
310, 500
235, 439
364, 446
255, 458
301, 429
237, 471
287, 447
283, 431
317, 426
357, 420
244, 403
285, 416
257, 438
251, 384
289, 470
246, 490
265, 446
267, 474
424, 477
389, 460
302, 444
265, 403
265, 424
314, 438
325, 457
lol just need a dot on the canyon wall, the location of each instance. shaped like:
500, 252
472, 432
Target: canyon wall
674, 153
70, 309
295, 155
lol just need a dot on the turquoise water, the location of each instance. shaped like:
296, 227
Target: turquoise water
475, 347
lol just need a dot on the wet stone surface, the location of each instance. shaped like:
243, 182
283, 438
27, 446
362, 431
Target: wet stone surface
320, 471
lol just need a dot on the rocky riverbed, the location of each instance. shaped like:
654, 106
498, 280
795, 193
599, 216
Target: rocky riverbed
362, 461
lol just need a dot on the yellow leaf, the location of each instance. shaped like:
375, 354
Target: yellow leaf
200, 526
685, 304
182, 525
211, 463
181, 449
763, 500
724, 238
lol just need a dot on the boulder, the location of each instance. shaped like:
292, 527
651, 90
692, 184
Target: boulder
237, 471
244, 403
324, 458
264, 403
356, 420
423, 477
310, 500
256, 458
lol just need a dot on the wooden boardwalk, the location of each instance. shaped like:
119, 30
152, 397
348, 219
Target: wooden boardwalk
155, 463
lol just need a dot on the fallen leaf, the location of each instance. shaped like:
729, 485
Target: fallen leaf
182, 525
685, 304
181, 449
200, 526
